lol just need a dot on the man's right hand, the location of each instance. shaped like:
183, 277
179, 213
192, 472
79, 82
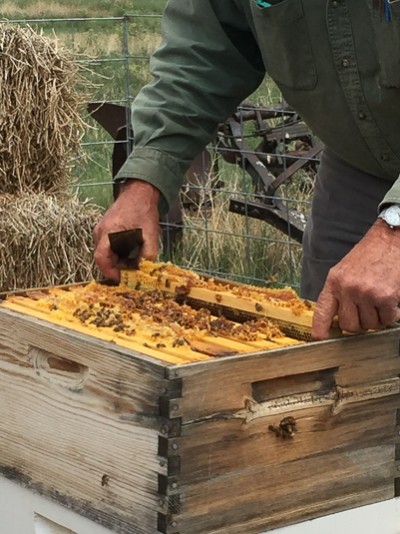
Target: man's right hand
136, 206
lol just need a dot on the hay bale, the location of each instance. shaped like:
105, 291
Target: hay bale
40, 123
45, 240
45, 232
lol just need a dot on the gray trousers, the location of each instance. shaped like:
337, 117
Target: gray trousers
344, 206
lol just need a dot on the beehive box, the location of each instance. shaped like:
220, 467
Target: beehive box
240, 444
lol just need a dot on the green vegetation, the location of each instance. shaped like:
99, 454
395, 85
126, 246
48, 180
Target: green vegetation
23, 9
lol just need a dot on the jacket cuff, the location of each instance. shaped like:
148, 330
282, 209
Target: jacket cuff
157, 168
392, 196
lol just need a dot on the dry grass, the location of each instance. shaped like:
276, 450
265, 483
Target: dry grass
95, 44
218, 241
33, 9
214, 240
144, 42
45, 232
45, 240
77, 8
40, 122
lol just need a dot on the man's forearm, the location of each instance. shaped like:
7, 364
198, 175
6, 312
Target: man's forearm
206, 66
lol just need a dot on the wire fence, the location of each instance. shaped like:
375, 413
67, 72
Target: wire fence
244, 202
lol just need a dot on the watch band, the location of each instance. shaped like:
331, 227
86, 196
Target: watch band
391, 215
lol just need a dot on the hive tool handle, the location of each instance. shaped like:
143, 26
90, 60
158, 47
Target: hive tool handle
127, 244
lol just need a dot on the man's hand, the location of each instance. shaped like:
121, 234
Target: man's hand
363, 290
136, 206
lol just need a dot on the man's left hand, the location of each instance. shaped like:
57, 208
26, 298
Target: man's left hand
363, 290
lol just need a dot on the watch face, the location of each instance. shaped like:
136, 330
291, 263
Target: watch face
392, 215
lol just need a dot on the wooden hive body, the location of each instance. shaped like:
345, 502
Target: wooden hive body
241, 444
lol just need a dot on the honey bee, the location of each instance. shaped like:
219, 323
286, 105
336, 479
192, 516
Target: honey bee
286, 428
155, 335
178, 342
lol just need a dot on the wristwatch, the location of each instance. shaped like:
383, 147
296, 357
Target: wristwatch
391, 215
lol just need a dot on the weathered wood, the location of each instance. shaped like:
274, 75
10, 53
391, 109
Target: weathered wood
80, 422
221, 386
286, 436
261, 500
241, 444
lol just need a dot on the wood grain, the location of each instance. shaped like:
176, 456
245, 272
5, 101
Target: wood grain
258, 500
209, 445
80, 422
232, 445
243, 471
224, 385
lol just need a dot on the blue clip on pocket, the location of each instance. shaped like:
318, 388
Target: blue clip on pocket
263, 3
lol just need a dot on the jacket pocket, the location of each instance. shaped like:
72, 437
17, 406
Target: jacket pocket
387, 38
285, 44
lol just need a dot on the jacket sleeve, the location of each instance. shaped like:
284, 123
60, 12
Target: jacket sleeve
392, 196
208, 63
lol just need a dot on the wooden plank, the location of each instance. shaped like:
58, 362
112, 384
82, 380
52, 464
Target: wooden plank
207, 345
140, 342
194, 348
258, 305
263, 499
355, 360
80, 422
82, 426
292, 434
220, 447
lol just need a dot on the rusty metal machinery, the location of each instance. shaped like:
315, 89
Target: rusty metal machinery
267, 163
284, 145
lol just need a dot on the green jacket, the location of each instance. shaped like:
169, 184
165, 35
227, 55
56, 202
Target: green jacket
337, 62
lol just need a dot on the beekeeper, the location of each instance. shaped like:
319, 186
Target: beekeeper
337, 62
